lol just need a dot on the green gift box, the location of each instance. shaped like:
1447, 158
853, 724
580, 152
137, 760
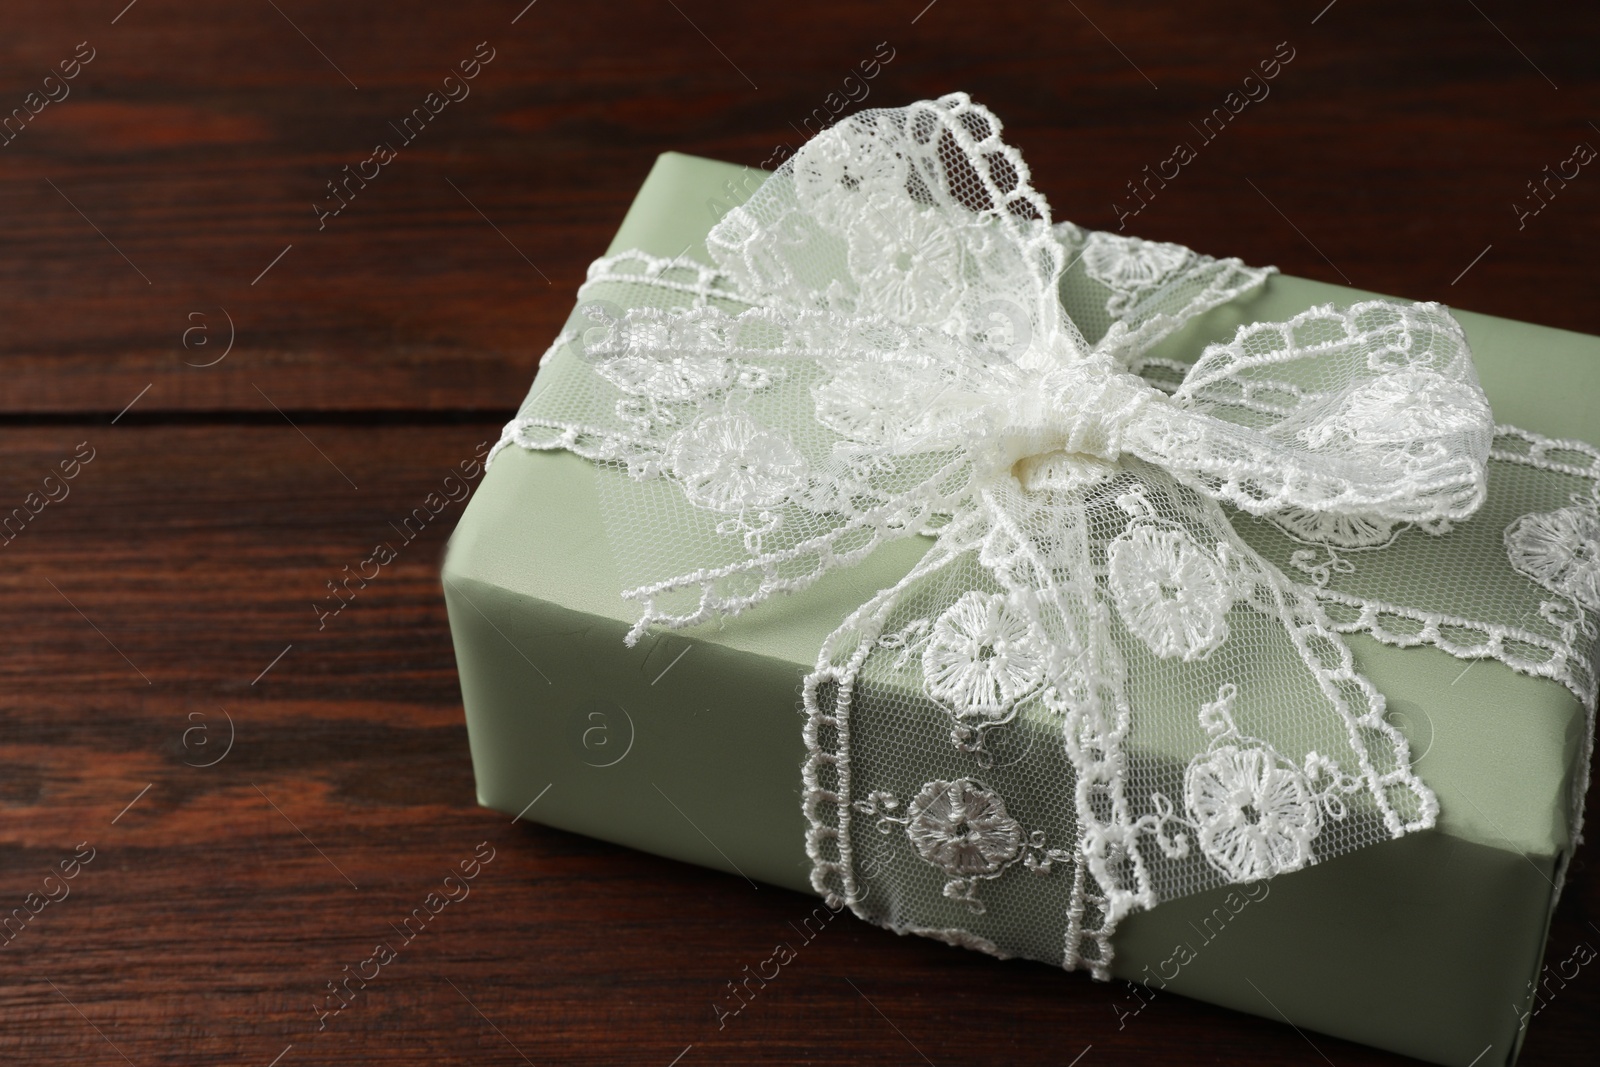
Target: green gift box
689, 745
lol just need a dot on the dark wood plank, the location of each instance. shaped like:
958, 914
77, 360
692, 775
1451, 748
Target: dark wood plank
1394, 144
206, 927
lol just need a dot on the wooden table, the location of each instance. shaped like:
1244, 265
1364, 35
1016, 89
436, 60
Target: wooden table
265, 801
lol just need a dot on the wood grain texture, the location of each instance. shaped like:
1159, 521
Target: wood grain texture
146, 606
1389, 153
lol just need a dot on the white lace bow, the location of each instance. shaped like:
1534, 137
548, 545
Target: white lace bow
1091, 691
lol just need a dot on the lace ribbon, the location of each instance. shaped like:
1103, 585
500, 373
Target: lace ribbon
1116, 675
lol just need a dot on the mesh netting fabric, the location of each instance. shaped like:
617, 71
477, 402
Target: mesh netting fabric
1117, 676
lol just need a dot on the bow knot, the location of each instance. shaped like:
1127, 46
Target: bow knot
1068, 422
1090, 405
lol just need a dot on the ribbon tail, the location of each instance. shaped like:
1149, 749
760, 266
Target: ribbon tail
1046, 543
831, 701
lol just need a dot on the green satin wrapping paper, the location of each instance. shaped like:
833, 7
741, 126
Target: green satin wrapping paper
689, 746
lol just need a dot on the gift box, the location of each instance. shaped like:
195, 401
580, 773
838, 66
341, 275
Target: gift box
688, 744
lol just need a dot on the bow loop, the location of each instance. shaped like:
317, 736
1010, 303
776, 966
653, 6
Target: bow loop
922, 216
1370, 411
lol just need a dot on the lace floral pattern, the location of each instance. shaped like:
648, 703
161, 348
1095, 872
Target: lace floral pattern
1169, 591
983, 655
907, 265
1402, 407
1561, 551
1130, 267
728, 463
1346, 531
832, 382
1255, 814
670, 380
1256, 817
962, 828
1252, 813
